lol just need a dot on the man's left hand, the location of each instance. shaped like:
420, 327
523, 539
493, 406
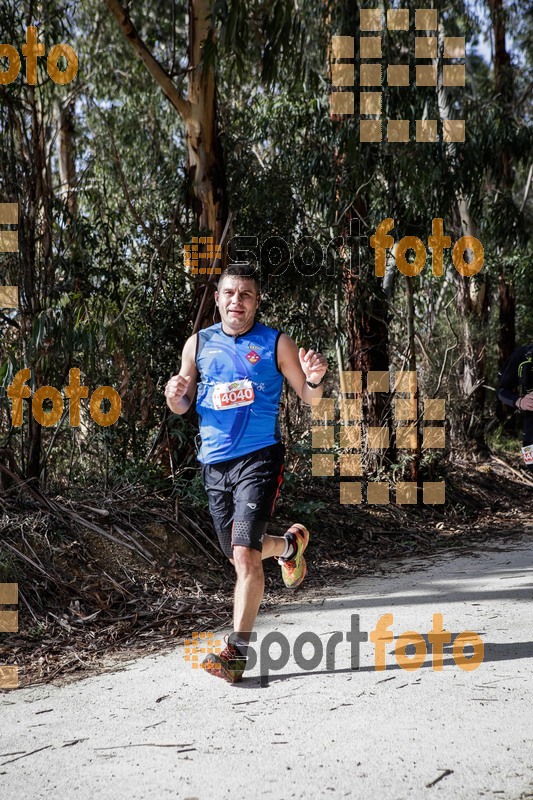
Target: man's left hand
314, 365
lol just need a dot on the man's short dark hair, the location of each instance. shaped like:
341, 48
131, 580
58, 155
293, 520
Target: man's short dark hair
240, 271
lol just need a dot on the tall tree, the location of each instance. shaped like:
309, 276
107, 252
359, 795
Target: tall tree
504, 88
198, 113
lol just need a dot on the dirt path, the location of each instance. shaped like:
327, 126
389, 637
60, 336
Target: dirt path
156, 727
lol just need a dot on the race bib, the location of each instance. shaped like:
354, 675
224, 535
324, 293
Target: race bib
233, 395
527, 453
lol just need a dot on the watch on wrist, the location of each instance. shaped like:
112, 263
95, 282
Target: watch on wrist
316, 385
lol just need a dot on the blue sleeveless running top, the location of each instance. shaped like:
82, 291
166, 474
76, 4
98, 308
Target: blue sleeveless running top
238, 392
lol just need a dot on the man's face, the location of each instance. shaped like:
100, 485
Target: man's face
237, 302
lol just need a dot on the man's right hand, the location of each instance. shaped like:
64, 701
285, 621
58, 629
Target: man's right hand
525, 403
180, 390
176, 393
177, 387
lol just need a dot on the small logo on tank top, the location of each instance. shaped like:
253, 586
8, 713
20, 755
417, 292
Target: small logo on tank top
253, 357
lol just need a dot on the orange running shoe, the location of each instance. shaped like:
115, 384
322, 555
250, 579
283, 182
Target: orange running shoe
293, 572
229, 665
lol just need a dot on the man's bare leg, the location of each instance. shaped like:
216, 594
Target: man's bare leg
273, 546
250, 585
249, 589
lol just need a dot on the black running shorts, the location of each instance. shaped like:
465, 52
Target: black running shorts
242, 493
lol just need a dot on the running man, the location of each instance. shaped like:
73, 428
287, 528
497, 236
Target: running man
238, 367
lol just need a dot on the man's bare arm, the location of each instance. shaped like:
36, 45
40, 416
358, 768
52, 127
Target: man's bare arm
181, 388
299, 366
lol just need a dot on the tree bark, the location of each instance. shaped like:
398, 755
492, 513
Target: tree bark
473, 306
67, 158
504, 86
411, 337
40, 266
367, 326
473, 302
205, 156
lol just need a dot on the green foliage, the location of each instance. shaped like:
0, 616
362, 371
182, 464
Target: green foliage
112, 297
308, 510
8, 568
503, 444
189, 489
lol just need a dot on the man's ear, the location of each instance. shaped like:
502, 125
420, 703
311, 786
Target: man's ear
259, 298
216, 298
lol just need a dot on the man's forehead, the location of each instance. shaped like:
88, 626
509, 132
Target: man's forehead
236, 283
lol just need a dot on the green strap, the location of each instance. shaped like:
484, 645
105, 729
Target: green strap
522, 388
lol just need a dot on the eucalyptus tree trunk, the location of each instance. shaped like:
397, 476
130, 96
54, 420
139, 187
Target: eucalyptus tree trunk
40, 268
198, 113
367, 327
411, 337
367, 333
205, 156
504, 86
67, 158
473, 302
473, 311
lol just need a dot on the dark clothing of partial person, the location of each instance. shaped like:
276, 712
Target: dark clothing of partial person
517, 381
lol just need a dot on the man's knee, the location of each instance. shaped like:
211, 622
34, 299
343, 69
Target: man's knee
247, 560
